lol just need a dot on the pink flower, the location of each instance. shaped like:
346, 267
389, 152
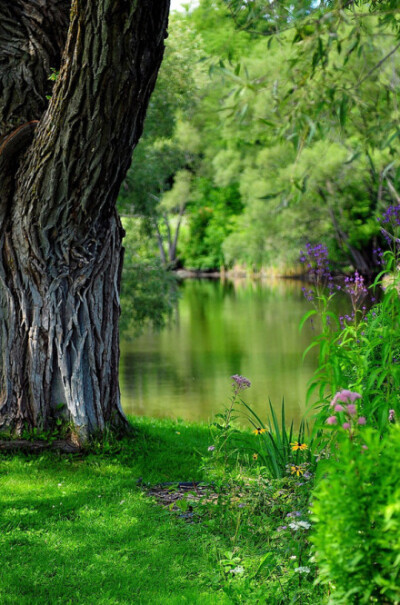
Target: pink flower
346, 425
362, 420
364, 447
391, 415
339, 408
334, 400
352, 409
345, 396
331, 420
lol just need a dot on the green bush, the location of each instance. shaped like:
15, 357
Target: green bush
356, 510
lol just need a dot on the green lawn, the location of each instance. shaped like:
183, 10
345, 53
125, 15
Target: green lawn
81, 529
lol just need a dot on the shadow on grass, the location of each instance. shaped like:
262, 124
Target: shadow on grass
79, 530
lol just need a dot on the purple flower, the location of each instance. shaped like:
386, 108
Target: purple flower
281, 527
391, 216
354, 286
315, 258
331, 420
362, 420
392, 416
308, 294
240, 382
211, 448
339, 408
295, 513
346, 425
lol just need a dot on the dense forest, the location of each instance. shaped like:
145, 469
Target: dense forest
266, 125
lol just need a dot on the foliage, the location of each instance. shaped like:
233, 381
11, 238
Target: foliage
285, 116
356, 513
359, 350
210, 221
148, 292
79, 525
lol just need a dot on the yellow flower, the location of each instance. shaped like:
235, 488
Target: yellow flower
296, 445
297, 470
255, 456
259, 431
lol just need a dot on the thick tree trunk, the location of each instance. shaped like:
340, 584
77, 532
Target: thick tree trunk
60, 236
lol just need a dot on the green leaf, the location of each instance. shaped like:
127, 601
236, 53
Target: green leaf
306, 317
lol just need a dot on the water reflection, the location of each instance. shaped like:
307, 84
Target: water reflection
221, 328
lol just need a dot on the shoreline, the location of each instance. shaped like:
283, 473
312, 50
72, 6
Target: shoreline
236, 274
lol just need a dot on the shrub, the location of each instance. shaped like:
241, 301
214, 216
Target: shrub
356, 511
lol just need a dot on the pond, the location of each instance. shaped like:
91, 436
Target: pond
221, 328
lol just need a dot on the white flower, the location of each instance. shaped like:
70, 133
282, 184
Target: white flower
293, 557
238, 569
299, 525
302, 569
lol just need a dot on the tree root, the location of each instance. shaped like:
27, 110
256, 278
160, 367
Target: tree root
22, 445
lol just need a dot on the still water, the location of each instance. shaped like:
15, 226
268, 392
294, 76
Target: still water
221, 328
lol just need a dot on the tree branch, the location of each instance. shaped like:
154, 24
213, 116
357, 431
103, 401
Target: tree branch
377, 66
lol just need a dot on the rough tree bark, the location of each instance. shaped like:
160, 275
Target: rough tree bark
60, 235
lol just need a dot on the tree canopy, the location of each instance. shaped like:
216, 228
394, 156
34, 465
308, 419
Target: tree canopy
293, 112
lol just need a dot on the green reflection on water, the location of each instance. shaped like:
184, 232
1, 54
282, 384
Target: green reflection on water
220, 329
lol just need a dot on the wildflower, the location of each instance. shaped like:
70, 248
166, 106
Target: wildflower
296, 445
293, 557
238, 569
364, 447
362, 420
211, 448
339, 408
345, 396
302, 569
346, 425
281, 528
259, 431
316, 261
352, 409
255, 456
240, 382
331, 420
295, 513
391, 416
295, 525
296, 470
307, 475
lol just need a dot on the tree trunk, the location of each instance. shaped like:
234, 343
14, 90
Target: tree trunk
60, 236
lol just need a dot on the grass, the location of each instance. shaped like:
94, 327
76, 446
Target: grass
81, 530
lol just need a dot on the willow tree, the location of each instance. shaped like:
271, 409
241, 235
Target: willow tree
63, 156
